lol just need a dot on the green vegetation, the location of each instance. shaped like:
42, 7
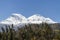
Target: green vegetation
30, 32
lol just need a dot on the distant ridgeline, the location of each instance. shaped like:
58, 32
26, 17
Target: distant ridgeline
41, 31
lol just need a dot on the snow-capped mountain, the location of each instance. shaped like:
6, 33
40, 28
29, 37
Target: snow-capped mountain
39, 19
18, 19
14, 19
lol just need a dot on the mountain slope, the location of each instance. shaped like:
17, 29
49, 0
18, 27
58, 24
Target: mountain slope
14, 19
20, 19
39, 19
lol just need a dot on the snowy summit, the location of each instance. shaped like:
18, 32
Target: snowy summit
18, 18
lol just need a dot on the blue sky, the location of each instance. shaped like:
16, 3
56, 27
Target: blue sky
47, 8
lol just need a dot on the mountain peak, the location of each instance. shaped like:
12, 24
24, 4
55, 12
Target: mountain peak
38, 18
18, 18
14, 19
36, 15
16, 14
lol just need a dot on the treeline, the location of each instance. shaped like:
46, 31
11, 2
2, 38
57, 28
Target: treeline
30, 32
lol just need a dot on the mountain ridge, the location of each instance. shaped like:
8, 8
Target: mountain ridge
16, 18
